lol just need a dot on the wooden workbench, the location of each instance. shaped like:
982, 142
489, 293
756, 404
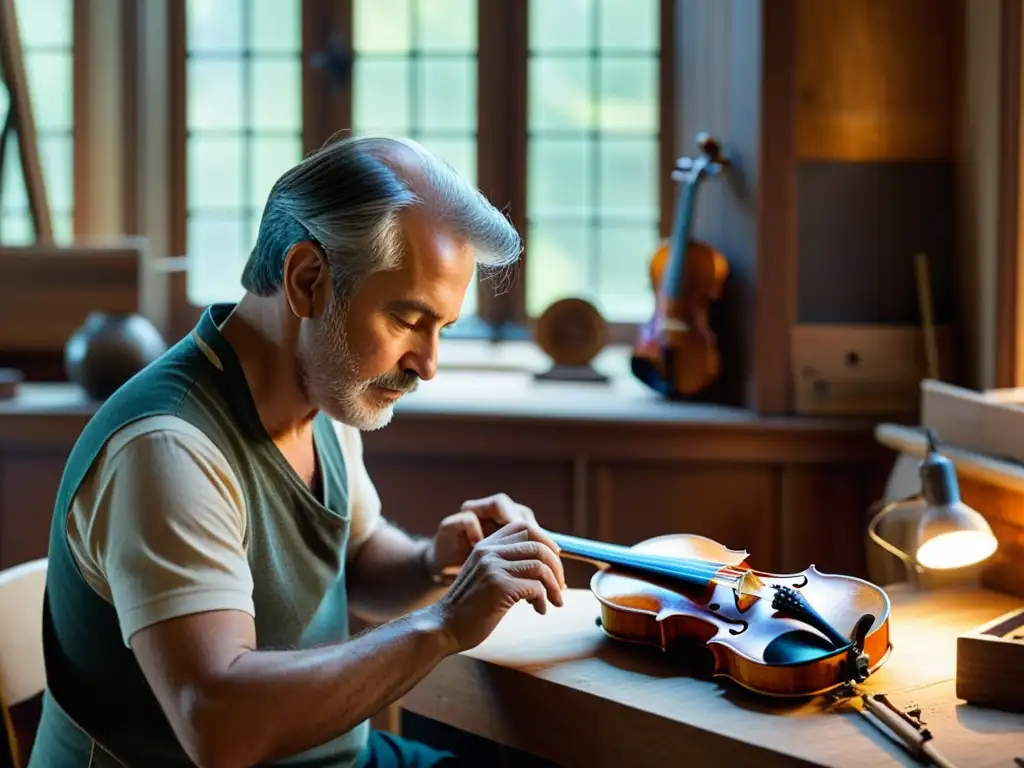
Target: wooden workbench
555, 687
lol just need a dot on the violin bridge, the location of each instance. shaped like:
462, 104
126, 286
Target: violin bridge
749, 584
748, 587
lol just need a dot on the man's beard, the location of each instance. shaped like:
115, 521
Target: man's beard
330, 376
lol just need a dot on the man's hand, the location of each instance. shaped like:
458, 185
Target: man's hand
460, 532
516, 563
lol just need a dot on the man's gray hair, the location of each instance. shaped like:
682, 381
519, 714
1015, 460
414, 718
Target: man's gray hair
348, 198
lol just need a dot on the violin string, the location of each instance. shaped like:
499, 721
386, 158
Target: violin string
691, 568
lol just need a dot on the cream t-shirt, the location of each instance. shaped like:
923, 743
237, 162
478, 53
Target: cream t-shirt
158, 527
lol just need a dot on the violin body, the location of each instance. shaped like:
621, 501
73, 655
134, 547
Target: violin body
676, 351
754, 640
682, 325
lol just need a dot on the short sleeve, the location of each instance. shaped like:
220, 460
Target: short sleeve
364, 502
161, 528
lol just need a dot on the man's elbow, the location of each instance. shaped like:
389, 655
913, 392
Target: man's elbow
212, 735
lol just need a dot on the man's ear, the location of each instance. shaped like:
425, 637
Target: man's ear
307, 279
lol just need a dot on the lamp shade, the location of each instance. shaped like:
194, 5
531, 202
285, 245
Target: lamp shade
953, 536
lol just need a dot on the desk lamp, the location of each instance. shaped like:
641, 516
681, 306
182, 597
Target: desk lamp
950, 534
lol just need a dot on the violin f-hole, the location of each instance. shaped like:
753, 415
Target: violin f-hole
712, 608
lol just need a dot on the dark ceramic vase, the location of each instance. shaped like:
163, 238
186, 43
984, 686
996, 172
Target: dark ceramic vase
108, 349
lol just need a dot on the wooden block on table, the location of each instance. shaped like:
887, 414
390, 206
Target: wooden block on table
865, 369
990, 663
988, 422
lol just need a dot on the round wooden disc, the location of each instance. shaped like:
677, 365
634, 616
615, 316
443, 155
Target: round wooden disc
10, 379
571, 332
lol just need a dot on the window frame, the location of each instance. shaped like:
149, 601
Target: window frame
501, 139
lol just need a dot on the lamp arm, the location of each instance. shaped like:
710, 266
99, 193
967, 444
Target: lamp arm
879, 516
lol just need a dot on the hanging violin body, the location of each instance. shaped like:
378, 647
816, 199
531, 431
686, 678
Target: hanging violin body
797, 634
676, 351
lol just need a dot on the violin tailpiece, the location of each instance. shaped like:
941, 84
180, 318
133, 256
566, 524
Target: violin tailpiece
791, 601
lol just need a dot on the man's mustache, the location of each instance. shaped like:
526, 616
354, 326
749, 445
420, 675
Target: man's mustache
401, 382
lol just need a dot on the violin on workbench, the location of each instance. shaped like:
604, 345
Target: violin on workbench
798, 634
676, 351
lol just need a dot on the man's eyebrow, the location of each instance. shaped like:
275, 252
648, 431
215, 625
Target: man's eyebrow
414, 305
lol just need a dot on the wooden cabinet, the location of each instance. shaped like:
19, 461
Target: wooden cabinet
618, 466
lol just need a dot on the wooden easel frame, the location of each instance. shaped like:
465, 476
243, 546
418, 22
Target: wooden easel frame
21, 117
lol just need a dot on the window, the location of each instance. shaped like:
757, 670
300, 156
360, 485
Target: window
415, 75
46, 30
244, 129
592, 205
569, 133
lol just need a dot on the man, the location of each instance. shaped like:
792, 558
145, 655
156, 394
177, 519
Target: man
215, 521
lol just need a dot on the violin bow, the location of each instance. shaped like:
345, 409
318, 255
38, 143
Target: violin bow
905, 725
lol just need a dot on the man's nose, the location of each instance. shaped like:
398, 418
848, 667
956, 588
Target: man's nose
423, 360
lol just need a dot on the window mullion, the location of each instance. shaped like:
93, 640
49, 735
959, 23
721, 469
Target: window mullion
501, 104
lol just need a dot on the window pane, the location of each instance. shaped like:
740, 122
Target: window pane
560, 94
276, 26
629, 95
57, 159
561, 25
622, 282
446, 25
215, 94
560, 177
44, 23
557, 259
629, 25
629, 182
461, 153
49, 77
447, 94
592, 174
382, 26
214, 25
276, 88
16, 229
271, 157
218, 247
215, 171
12, 193
62, 222
380, 95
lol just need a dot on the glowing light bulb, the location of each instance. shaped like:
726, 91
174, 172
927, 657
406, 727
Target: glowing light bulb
956, 549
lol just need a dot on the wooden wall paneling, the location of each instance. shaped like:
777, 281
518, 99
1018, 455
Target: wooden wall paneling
1009, 361
822, 518
28, 489
732, 504
734, 80
58, 286
1004, 511
874, 79
979, 165
100, 108
418, 493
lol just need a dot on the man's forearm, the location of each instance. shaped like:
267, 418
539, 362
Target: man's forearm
388, 576
270, 704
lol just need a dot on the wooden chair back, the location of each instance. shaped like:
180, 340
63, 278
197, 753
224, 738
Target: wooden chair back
22, 670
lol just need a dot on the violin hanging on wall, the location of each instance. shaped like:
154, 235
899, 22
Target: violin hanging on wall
785, 635
676, 351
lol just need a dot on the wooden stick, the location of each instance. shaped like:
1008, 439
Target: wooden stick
917, 740
924, 300
13, 64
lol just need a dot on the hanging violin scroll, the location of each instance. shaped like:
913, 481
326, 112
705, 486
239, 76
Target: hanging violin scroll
676, 352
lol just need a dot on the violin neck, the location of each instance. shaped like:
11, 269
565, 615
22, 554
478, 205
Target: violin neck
697, 573
675, 271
